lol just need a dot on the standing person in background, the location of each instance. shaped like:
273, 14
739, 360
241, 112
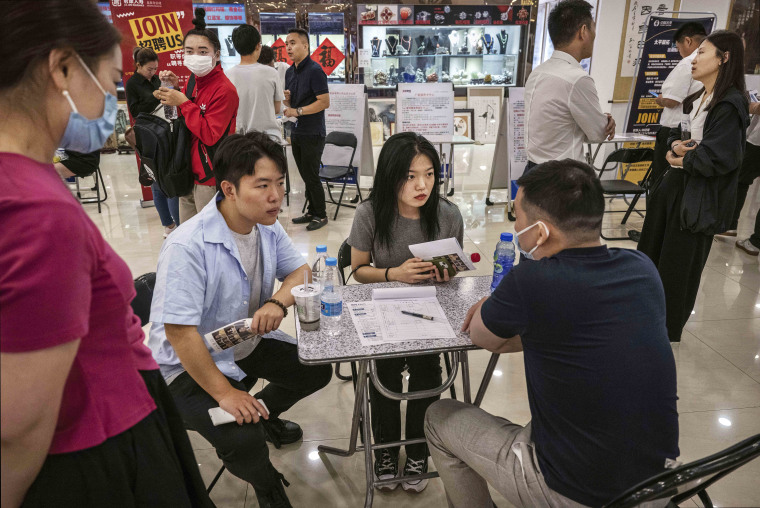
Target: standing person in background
86, 418
677, 86
258, 86
140, 89
562, 109
210, 112
306, 98
750, 170
697, 195
267, 58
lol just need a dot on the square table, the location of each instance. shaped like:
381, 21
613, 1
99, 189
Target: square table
314, 348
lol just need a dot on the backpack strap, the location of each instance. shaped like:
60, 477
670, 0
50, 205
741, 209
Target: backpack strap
190, 87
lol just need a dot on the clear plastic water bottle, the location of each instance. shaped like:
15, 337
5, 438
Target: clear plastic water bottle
170, 112
332, 299
503, 259
318, 268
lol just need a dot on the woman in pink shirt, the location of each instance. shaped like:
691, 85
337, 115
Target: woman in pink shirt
86, 417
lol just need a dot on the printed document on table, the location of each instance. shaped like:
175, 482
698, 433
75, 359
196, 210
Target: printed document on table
364, 316
381, 321
399, 327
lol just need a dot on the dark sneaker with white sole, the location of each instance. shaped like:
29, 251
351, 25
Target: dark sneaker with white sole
386, 467
413, 467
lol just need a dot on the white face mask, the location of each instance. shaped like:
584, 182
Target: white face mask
529, 254
200, 65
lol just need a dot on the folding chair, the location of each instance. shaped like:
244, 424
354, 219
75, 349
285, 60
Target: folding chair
330, 173
99, 183
144, 285
682, 483
618, 187
344, 260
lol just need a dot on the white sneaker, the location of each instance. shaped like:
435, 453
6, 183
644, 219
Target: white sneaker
747, 247
413, 467
168, 230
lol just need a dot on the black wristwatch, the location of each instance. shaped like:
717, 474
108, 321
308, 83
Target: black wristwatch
279, 304
299, 111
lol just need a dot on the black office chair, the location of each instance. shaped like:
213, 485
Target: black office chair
683, 483
338, 174
617, 187
144, 285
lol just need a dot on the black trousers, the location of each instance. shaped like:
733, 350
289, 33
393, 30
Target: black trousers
424, 374
307, 151
243, 448
150, 464
749, 171
660, 165
678, 254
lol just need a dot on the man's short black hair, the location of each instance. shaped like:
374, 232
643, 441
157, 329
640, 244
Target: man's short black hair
567, 193
266, 57
238, 153
690, 29
245, 38
567, 17
300, 31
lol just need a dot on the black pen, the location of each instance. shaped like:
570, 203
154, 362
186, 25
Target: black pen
429, 318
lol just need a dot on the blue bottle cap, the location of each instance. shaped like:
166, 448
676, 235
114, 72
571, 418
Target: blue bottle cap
321, 248
506, 237
331, 262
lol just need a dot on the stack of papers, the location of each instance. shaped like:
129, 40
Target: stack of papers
381, 321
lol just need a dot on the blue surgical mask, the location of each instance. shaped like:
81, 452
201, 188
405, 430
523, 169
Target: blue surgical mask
82, 134
528, 254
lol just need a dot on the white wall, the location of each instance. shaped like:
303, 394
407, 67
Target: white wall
719, 7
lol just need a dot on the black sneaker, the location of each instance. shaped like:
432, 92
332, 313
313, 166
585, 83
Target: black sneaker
386, 467
275, 496
303, 219
413, 467
280, 432
316, 224
634, 235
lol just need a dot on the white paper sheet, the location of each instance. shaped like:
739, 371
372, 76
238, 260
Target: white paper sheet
403, 293
381, 321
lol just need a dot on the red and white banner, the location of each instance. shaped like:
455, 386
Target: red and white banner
157, 24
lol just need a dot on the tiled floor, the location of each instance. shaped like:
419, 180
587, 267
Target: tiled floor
718, 360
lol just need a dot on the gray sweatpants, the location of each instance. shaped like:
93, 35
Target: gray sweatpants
472, 448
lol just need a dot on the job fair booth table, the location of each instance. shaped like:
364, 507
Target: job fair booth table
316, 348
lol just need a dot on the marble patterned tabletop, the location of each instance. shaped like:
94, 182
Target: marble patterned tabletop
456, 298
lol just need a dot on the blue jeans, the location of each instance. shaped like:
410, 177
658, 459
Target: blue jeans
167, 208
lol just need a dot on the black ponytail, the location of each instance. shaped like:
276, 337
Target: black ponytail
199, 22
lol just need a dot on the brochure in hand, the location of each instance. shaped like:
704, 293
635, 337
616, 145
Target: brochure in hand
231, 335
446, 255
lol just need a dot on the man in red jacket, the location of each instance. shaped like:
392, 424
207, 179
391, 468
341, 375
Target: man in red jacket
210, 113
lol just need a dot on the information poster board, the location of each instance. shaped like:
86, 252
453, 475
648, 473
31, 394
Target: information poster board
427, 109
659, 56
156, 24
510, 153
348, 113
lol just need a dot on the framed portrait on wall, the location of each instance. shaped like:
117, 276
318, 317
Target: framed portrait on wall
463, 121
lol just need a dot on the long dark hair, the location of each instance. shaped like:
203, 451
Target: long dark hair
392, 172
199, 22
730, 72
30, 36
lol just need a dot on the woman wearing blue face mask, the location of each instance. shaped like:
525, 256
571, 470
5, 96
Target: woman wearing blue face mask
86, 417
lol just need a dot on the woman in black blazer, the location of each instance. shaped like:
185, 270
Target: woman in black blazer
696, 197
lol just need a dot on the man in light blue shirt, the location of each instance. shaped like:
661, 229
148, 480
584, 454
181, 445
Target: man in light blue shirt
217, 268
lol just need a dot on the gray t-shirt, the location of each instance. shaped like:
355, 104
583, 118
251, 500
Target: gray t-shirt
249, 248
258, 86
405, 232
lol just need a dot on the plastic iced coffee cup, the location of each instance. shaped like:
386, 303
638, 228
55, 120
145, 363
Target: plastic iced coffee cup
307, 306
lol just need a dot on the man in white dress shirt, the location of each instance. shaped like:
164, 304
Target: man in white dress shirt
676, 87
561, 104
